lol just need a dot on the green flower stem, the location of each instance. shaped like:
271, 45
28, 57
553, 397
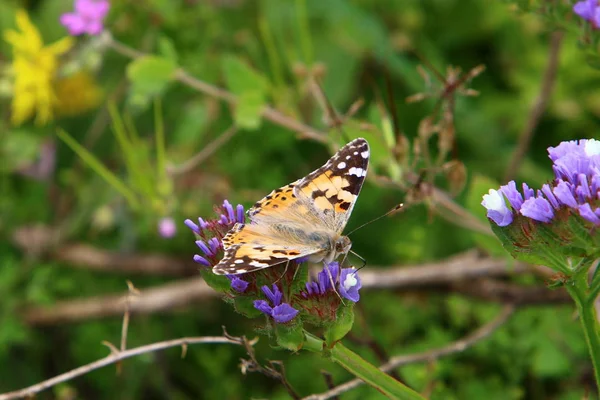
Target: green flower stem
371, 374
578, 290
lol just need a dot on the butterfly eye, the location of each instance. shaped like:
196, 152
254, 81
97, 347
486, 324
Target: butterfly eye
343, 245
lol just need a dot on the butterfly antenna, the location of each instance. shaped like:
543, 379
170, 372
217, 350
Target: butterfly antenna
394, 210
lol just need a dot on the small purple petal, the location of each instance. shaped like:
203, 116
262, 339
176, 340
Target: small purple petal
527, 192
215, 245
205, 249
570, 147
203, 224
239, 285
564, 193
547, 190
190, 224
241, 218
537, 208
497, 209
586, 212
301, 260
284, 313
223, 220
230, 213
350, 284
584, 187
512, 194
201, 260
585, 9
262, 305
275, 295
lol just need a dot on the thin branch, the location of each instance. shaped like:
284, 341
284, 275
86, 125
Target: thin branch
443, 275
268, 113
202, 155
538, 107
114, 357
452, 348
152, 300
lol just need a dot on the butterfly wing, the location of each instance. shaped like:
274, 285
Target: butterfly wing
332, 190
290, 222
250, 247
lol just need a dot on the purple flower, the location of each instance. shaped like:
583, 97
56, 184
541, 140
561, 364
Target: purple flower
283, 313
274, 295
87, 17
238, 284
497, 209
167, 227
588, 10
350, 284
280, 312
210, 232
537, 208
263, 305
586, 212
564, 193
201, 260
512, 194
576, 186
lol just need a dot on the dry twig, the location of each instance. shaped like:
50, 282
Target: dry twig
114, 357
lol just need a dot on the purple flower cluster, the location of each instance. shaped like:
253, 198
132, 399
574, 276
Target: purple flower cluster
576, 186
209, 236
348, 283
87, 17
588, 10
280, 312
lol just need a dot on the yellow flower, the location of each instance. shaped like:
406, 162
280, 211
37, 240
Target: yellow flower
34, 68
76, 94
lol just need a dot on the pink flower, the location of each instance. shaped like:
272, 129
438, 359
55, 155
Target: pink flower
167, 227
87, 18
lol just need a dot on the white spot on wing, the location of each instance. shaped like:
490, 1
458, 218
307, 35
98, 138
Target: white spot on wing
365, 154
357, 172
341, 165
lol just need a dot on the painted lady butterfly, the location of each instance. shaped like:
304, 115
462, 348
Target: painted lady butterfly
303, 219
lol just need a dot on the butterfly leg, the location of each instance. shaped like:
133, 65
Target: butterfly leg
333, 284
287, 264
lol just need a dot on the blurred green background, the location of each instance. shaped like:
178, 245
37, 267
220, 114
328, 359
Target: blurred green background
263, 52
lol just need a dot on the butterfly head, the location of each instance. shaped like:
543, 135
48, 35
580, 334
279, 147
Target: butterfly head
342, 245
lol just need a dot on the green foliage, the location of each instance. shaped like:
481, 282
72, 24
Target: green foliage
264, 53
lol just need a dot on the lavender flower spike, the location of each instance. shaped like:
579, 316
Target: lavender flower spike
497, 209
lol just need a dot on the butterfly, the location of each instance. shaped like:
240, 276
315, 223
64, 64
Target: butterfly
304, 219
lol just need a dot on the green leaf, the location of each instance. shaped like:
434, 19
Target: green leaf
290, 337
479, 186
219, 283
245, 306
341, 326
248, 110
241, 78
166, 48
149, 76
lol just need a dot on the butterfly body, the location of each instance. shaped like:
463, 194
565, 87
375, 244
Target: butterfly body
303, 219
